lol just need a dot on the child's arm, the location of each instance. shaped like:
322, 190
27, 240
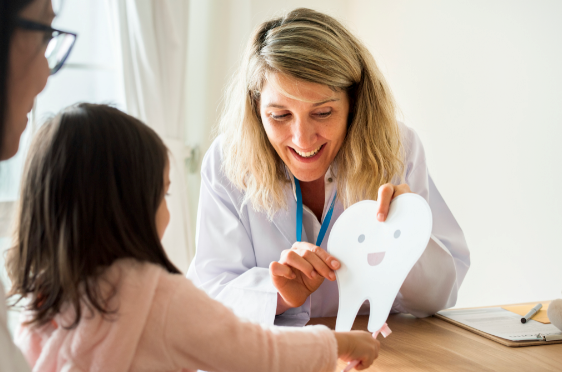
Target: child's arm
201, 333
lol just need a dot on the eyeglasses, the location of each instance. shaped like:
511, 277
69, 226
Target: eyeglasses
59, 43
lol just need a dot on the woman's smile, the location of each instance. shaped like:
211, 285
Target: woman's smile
308, 156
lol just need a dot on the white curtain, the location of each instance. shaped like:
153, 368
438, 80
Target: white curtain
153, 44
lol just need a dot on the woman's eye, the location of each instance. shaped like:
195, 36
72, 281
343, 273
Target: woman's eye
279, 117
324, 114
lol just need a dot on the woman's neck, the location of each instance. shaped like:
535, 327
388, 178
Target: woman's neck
313, 196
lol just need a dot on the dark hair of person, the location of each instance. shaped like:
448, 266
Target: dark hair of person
92, 184
9, 10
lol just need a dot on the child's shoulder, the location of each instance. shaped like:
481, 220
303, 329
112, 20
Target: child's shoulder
133, 275
129, 278
130, 267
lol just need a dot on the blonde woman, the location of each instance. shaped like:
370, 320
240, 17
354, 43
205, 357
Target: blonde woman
310, 117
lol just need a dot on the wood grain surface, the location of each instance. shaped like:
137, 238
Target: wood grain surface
431, 344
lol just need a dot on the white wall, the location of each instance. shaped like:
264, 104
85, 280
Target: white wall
481, 82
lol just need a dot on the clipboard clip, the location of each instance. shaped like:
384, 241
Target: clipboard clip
549, 337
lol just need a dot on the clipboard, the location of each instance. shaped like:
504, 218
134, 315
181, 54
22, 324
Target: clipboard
543, 340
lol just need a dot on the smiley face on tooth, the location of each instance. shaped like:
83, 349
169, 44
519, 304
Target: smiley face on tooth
376, 257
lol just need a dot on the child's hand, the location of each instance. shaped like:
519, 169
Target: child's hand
357, 345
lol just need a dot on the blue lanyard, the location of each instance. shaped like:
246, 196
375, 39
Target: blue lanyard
325, 223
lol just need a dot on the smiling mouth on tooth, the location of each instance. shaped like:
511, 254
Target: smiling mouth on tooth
308, 154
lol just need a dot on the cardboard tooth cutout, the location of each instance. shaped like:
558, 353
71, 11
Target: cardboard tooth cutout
376, 257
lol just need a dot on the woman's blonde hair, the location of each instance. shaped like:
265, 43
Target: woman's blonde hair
310, 46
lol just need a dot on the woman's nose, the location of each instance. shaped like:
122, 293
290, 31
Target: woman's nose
304, 134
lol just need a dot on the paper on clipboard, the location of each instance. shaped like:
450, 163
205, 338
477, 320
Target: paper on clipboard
502, 323
522, 310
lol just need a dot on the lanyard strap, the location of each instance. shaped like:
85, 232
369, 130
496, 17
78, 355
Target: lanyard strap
325, 223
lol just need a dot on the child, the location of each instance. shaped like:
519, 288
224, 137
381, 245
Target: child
103, 295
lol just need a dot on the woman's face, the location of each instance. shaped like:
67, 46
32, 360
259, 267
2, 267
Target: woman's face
28, 72
306, 132
163, 214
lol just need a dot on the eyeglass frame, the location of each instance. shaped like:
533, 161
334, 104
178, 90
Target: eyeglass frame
35, 26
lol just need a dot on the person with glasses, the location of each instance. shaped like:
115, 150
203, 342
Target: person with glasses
30, 51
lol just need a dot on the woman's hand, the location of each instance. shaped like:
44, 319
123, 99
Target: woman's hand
357, 345
299, 273
387, 192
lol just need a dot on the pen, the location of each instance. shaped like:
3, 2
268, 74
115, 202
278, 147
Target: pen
531, 312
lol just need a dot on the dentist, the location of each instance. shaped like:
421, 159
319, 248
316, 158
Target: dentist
310, 129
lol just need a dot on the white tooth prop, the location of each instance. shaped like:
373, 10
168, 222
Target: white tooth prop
376, 257
308, 154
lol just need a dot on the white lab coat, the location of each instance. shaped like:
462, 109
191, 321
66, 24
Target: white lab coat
236, 244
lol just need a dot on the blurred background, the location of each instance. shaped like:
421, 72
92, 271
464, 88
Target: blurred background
480, 82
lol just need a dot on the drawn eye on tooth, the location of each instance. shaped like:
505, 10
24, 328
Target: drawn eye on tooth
397, 234
361, 238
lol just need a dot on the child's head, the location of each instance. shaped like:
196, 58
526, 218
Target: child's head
93, 192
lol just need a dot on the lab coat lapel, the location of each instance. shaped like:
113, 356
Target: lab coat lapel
286, 220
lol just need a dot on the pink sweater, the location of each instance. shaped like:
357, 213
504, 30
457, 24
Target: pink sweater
164, 323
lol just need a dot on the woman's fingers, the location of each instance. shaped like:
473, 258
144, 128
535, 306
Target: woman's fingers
387, 192
322, 261
310, 260
278, 269
319, 265
330, 260
293, 259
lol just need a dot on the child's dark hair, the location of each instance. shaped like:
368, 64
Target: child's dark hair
92, 184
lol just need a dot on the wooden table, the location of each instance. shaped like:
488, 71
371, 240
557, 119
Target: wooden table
431, 344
